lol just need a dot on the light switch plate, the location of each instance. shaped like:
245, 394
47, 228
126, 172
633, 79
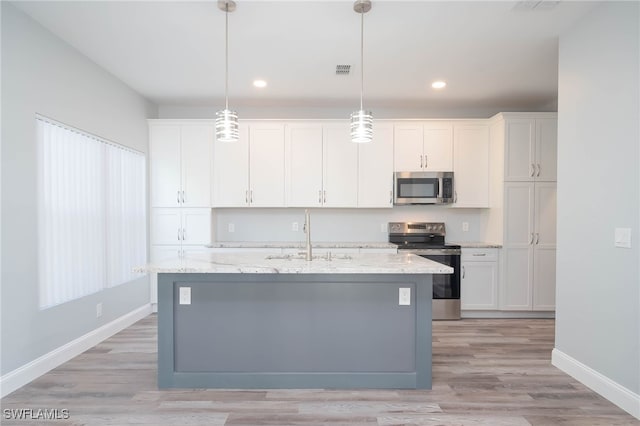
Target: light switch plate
232, 227
294, 226
185, 295
404, 296
623, 237
465, 226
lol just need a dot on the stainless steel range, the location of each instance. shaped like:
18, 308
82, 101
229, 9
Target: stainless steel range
427, 239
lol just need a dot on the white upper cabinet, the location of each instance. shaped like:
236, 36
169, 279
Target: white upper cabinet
531, 149
438, 146
375, 168
321, 165
304, 164
180, 159
231, 171
471, 165
423, 146
266, 165
250, 172
340, 177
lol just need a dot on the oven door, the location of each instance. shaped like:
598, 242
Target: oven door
446, 286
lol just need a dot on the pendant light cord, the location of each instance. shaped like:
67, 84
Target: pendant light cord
361, 56
226, 56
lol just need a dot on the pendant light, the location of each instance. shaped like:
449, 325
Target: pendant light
361, 121
226, 120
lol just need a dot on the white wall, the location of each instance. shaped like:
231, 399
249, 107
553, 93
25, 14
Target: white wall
598, 285
41, 74
339, 224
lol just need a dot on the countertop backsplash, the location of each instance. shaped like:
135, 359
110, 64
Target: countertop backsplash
339, 224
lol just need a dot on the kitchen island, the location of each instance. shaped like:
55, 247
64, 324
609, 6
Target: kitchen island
260, 321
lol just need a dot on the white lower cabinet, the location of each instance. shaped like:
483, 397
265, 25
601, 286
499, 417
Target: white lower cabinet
175, 233
479, 279
529, 269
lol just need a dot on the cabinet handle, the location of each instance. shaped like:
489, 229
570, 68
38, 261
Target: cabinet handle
480, 254
464, 272
455, 196
537, 238
426, 161
533, 170
325, 197
178, 197
182, 197
251, 195
390, 197
246, 196
420, 160
531, 239
178, 234
538, 174
320, 196
184, 234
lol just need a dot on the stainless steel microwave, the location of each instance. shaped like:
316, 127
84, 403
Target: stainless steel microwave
423, 188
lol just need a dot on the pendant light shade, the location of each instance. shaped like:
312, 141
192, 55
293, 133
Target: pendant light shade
361, 120
226, 120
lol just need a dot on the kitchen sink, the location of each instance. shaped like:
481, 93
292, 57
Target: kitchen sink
301, 256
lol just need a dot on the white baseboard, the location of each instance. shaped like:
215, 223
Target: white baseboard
613, 391
47, 362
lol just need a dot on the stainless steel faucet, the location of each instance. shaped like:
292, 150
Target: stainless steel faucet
307, 231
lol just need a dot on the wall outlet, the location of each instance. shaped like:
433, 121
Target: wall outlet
99, 310
185, 295
232, 227
294, 226
465, 226
404, 296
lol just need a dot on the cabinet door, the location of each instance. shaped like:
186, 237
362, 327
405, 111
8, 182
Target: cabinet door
196, 226
479, 285
231, 171
340, 178
304, 164
516, 285
196, 144
471, 165
266, 160
519, 150
544, 248
547, 149
375, 169
438, 146
166, 226
164, 158
407, 148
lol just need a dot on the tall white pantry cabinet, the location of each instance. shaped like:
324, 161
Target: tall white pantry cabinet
180, 188
528, 144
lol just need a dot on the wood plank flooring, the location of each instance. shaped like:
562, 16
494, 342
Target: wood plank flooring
485, 372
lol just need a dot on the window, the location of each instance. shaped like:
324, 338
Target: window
91, 212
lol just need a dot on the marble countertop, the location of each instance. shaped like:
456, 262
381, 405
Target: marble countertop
254, 263
475, 244
299, 244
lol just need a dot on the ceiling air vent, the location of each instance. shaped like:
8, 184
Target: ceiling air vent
535, 5
343, 69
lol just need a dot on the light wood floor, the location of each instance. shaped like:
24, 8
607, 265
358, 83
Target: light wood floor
485, 372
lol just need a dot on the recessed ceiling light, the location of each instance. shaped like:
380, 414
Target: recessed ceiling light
438, 84
260, 83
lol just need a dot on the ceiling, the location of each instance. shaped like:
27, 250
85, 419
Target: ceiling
492, 54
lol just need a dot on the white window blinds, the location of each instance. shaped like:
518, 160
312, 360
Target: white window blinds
92, 213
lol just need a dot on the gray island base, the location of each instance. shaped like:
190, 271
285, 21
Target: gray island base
295, 330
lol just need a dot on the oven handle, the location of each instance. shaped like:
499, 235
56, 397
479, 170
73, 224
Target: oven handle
421, 252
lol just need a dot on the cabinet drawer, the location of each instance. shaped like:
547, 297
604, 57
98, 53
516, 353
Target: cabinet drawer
479, 255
